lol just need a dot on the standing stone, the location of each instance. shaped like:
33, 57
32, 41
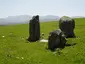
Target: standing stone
34, 29
67, 25
56, 39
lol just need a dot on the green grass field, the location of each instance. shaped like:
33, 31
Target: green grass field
14, 49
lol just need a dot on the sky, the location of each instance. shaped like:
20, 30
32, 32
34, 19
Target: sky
42, 7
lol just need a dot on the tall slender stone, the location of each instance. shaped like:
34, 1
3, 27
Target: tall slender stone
34, 29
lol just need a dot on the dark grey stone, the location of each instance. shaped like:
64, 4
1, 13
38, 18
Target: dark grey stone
67, 25
56, 39
34, 29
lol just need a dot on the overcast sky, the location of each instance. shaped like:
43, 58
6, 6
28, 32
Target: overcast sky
42, 7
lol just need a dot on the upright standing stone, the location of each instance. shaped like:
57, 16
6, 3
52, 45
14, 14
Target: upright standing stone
56, 39
67, 25
34, 29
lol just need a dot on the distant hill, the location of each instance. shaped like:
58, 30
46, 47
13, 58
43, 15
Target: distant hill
49, 18
78, 17
25, 19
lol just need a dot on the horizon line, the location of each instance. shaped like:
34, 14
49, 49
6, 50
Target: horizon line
44, 15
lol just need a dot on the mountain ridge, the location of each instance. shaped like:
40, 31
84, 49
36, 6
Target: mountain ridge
25, 19
20, 19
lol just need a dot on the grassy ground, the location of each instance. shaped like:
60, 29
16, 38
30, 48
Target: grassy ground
14, 49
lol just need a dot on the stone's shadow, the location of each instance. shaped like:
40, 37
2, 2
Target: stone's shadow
71, 37
66, 45
70, 44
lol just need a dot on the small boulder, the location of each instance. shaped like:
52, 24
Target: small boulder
56, 39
